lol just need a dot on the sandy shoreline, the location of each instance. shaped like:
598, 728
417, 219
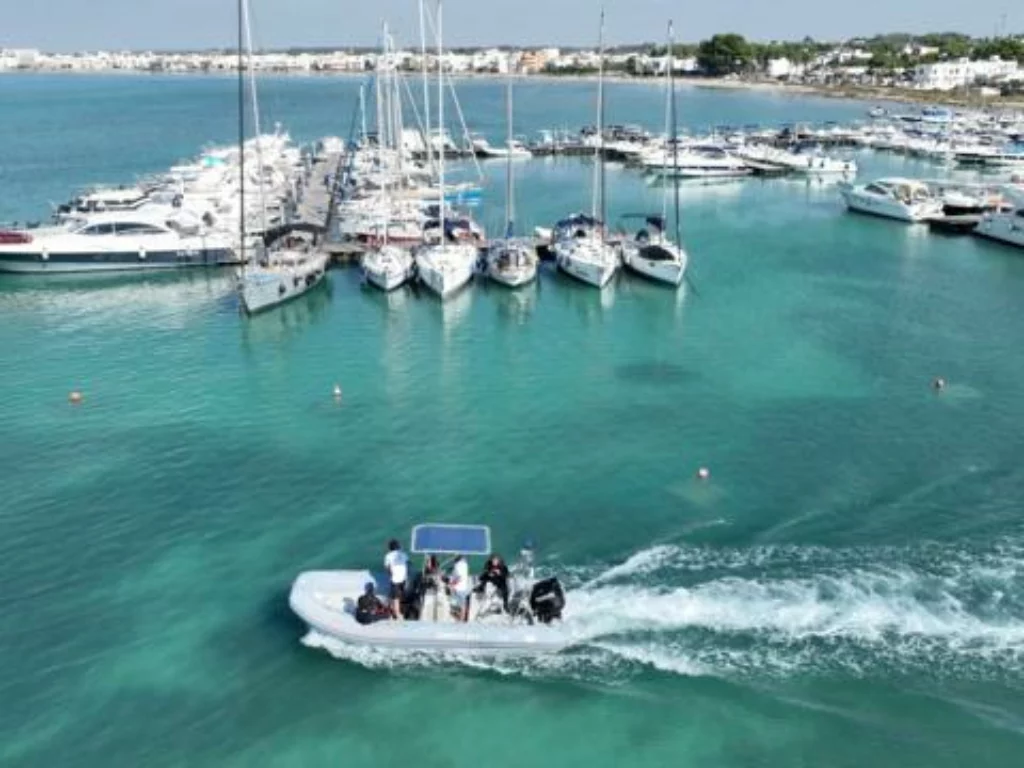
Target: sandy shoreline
872, 94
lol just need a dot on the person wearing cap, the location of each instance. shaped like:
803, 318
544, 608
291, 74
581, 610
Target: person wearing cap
369, 608
397, 564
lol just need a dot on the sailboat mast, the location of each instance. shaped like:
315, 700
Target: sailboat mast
598, 202
426, 86
509, 199
440, 120
675, 127
241, 133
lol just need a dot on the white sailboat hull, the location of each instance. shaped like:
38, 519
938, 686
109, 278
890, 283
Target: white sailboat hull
446, 269
388, 268
263, 288
591, 262
325, 601
669, 271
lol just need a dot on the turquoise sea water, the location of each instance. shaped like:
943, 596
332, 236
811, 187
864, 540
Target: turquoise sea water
845, 590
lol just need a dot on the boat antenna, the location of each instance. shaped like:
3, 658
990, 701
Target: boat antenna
509, 191
241, 133
673, 111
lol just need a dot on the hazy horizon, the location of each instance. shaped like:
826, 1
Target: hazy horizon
210, 24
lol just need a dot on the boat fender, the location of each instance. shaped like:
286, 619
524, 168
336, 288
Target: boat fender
142, 254
281, 290
296, 280
45, 255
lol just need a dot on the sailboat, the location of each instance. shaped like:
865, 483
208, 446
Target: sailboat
290, 261
511, 262
650, 252
444, 267
390, 265
579, 243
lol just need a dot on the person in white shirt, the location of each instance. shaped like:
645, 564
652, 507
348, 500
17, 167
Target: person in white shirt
460, 586
397, 564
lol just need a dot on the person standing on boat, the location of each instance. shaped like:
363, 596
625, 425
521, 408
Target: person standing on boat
460, 586
397, 564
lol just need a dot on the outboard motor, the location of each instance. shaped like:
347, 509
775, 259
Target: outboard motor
547, 600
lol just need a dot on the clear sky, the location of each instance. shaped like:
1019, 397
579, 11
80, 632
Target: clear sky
62, 25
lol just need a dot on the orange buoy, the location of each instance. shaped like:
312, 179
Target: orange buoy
703, 473
75, 397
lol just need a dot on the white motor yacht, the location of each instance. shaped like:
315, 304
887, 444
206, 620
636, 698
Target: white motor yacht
328, 602
388, 267
1006, 227
512, 148
116, 241
894, 198
697, 162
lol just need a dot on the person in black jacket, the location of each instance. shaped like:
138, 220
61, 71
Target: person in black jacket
495, 572
369, 607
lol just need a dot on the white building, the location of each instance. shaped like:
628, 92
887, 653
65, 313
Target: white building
948, 75
783, 68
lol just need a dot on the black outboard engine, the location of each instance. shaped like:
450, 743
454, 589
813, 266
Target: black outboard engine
547, 600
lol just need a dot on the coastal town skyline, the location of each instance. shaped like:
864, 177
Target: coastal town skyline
191, 25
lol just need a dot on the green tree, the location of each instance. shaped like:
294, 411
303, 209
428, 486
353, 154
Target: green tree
725, 55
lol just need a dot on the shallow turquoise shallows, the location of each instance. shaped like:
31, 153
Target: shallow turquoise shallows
845, 589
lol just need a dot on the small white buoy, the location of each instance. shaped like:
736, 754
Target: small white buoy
75, 397
337, 391
703, 473
938, 383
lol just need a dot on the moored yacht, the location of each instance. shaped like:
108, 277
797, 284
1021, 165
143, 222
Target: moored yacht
651, 254
388, 267
117, 241
510, 262
1006, 227
581, 250
447, 267
289, 268
894, 198
579, 242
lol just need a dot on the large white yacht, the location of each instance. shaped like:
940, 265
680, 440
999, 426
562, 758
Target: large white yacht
116, 241
1006, 227
894, 198
702, 161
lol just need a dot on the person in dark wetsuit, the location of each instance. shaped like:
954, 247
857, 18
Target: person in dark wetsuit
495, 572
369, 607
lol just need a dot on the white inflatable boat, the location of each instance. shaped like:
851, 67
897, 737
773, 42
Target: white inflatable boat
326, 602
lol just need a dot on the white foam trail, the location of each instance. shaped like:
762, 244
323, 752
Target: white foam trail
863, 605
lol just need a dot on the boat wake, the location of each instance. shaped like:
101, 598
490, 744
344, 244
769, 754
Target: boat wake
943, 610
